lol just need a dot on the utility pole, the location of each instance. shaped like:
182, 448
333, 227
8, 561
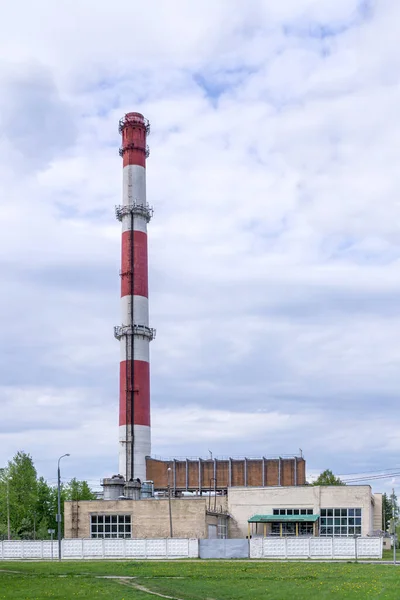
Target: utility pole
169, 503
8, 512
394, 525
58, 519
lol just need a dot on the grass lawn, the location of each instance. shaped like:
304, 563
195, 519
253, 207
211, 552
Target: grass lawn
198, 580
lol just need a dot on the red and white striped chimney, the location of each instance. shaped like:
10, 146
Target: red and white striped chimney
134, 334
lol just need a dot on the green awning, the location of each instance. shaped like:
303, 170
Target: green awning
283, 519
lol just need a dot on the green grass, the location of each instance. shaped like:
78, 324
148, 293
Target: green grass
199, 580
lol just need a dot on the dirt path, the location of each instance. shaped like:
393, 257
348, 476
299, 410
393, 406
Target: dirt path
146, 590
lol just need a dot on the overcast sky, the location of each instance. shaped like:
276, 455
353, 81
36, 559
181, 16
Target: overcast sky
274, 248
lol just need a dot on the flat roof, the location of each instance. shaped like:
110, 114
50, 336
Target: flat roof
283, 519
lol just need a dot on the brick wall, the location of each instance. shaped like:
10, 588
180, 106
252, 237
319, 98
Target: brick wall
190, 474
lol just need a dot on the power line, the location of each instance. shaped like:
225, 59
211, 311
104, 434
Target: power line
374, 471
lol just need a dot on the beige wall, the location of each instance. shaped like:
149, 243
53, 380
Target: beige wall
243, 503
150, 517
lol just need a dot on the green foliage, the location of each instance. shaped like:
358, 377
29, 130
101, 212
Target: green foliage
387, 510
78, 490
32, 501
328, 478
19, 491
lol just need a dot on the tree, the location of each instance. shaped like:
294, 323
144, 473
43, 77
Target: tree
31, 500
386, 511
46, 507
328, 478
19, 480
78, 490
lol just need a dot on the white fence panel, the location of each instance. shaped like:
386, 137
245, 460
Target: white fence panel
92, 548
274, 547
114, 548
369, 547
32, 549
177, 548
297, 547
135, 548
344, 547
321, 547
156, 548
49, 549
12, 549
256, 547
193, 548
72, 549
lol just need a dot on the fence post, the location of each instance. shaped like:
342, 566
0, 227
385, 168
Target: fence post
124, 547
145, 548
285, 547
333, 550
309, 547
166, 547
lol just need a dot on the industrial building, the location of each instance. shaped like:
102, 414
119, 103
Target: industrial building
326, 511
193, 497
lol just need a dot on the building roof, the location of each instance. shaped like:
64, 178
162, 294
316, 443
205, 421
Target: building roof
283, 519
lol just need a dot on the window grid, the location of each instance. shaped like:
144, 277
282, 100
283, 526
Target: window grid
222, 528
292, 511
110, 526
340, 522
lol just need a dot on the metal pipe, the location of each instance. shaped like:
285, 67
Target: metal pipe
200, 476
280, 471
169, 504
263, 472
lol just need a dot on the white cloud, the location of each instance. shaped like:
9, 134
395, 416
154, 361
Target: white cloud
274, 245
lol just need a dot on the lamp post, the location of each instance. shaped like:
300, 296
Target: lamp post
4, 473
8, 512
169, 503
394, 525
58, 519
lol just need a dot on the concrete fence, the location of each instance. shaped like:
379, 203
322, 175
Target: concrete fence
77, 549
284, 548
328, 548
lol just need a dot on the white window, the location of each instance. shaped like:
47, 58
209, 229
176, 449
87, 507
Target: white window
222, 532
343, 522
292, 511
110, 526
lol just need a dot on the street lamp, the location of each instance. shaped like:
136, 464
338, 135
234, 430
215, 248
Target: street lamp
58, 519
169, 504
3, 472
